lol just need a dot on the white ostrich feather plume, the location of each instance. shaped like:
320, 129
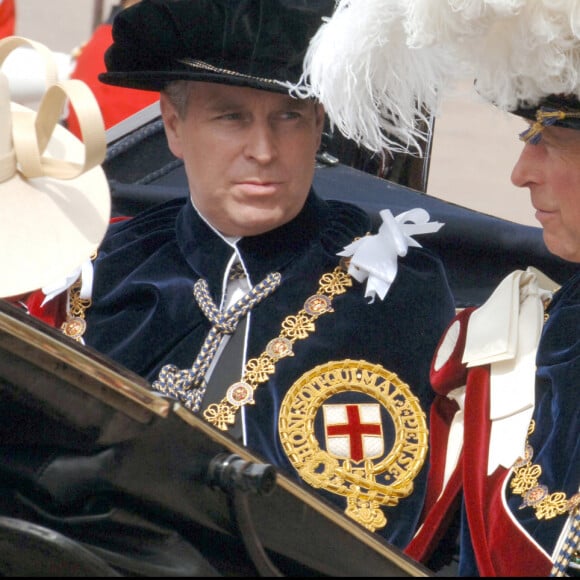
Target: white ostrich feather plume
377, 88
382, 67
529, 54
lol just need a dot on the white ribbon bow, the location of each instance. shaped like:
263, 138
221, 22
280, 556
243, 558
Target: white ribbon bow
375, 257
59, 286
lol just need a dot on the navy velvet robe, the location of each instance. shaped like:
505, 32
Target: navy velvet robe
556, 449
144, 314
556, 438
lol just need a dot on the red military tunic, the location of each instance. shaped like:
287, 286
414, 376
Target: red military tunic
7, 18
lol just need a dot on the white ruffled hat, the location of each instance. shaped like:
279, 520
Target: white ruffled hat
382, 67
54, 196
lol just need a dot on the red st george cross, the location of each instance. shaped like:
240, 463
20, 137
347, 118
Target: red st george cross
354, 429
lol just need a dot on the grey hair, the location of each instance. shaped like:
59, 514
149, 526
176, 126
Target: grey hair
178, 93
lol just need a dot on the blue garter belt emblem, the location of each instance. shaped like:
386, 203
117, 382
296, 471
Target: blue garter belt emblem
334, 424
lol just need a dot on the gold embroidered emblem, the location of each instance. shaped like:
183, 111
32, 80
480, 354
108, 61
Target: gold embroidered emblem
368, 476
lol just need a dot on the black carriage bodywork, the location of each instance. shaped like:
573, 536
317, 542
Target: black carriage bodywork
101, 477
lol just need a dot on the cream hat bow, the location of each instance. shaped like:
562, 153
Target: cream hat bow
55, 200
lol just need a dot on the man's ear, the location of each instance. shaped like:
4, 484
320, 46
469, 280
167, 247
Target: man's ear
172, 124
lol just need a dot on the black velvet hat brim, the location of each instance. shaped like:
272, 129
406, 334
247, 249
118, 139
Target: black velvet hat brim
566, 103
157, 80
254, 43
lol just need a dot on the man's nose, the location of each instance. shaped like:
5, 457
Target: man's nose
261, 142
527, 166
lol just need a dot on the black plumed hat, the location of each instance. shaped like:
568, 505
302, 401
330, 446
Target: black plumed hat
254, 43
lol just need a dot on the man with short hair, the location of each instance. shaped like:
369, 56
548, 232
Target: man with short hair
517, 388
505, 422
327, 328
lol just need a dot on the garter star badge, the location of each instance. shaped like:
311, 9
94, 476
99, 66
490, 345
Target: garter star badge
355, 429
